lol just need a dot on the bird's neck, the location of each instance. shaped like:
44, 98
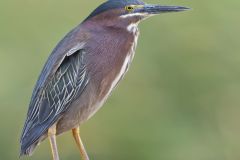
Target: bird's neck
120, 26
117, 36
132, 28
112, 46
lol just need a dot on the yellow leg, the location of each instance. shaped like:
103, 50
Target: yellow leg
76, 135
53, 143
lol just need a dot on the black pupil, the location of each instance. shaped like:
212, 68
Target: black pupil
130, 8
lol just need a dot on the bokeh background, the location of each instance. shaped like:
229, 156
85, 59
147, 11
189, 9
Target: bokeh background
179, 101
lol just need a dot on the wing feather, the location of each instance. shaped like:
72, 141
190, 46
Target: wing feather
53, 96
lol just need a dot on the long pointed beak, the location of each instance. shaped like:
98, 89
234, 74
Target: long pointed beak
157, 9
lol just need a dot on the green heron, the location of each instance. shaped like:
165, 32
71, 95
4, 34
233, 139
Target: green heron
82, 71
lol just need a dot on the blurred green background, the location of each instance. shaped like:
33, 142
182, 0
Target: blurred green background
179, 101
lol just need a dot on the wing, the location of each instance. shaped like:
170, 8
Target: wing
61, 81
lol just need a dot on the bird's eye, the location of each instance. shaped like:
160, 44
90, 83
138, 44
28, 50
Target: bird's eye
129, 8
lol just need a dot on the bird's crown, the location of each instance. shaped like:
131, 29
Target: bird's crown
114, 4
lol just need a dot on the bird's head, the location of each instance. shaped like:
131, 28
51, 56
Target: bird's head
122, 13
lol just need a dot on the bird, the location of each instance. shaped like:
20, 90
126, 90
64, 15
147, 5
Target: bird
82, 71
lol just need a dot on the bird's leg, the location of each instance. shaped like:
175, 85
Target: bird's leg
76, 135
53, 143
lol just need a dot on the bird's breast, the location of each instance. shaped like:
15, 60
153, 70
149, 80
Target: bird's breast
110, 62
118, 62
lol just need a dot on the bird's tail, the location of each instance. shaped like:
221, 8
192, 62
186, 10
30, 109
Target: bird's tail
30, 141
28, 151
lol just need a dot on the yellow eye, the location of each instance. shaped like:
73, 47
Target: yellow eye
129, 8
